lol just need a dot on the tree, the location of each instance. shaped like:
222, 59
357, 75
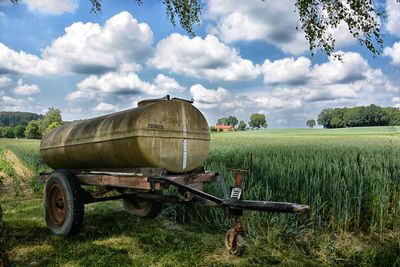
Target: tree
394, 116
231, 120
12, 118
53, 125
32, 130
19, 131
371, 115
242, 126
316, 18
52, 115
8, 132
311, 123
257, 121
324, 117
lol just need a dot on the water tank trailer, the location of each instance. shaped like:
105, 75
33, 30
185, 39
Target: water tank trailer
139, 153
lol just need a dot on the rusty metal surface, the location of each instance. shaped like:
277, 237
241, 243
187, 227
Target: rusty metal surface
57, 205
169, 134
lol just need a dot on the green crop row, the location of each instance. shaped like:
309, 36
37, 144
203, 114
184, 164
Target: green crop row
5, 166
350, 182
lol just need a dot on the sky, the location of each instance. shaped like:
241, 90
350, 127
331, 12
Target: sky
247, 57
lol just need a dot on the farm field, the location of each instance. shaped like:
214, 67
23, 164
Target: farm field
349, 177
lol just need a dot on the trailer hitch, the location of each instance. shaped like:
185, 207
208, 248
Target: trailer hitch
233, 205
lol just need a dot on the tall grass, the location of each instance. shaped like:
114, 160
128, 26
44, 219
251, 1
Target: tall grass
350, 182
27, 151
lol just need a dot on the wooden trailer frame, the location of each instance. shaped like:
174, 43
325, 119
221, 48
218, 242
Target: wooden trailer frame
141, 191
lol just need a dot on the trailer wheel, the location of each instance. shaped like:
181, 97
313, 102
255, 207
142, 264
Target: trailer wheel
63, 203
234, 243
142, 208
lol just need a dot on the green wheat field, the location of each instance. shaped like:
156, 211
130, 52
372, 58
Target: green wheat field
349, 177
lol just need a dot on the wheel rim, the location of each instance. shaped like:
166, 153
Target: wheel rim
140, 205
57, 205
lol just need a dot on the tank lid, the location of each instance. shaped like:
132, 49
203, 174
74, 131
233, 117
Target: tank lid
151, 101
167, 97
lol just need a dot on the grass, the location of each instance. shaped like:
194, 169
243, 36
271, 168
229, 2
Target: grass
350, 177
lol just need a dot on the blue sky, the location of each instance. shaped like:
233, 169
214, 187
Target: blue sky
247, 57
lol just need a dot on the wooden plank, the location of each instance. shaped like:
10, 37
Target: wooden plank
136, 182
192, 179
144, 171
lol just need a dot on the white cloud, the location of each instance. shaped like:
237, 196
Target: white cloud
393, 52
21, 62
353, 68
274, 22
25, 89
395, 99
207, 96
167, 84
122, 82
17, 104
92, 48
286, 70
393, 19
203, 58
331, 80
4, 80
297, 84
104, 107
271, 21
220, 99
52, 7
272, 102
85, 48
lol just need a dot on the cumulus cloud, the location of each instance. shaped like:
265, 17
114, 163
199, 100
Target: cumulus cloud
286, 70
393, 17
25, 89
203, 58
279, 99
353, 68
208, 97
104, 107
87, 48
167, 84
122, 82
92, 48
4, 80
16, 104
220, 99
393, 52
270, 21
12, 62
328, 81
52, 7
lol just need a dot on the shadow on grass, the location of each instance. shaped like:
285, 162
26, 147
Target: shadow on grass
110, 238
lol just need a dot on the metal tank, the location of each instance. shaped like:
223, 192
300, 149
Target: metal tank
162, 133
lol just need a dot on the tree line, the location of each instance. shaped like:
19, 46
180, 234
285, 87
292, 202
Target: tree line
257, 121
13, 118
28, 125
360, 116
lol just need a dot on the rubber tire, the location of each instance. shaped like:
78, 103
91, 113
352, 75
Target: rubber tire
74, 200
150, 210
